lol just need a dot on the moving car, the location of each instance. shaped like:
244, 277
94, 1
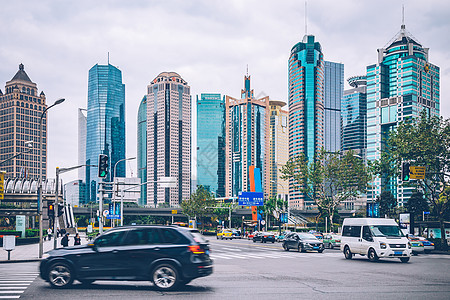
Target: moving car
282, 236
264, 237
236, 234
416, 244
332, 240
225, 234
302, 242
427, 245
251, 235
169, 256
374, 237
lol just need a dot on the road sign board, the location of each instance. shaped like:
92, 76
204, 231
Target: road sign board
114, 211
417, 172
105, 213
251, 198
2, 185
174, 211
263, 222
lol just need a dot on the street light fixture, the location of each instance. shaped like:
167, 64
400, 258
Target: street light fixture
41, 244
28, 144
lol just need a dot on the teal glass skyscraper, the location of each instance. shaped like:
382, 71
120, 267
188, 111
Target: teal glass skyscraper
399, 87
142, 148
306, 107
334, 89
105, 128
211, 143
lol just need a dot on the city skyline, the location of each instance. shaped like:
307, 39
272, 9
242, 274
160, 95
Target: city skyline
212, 33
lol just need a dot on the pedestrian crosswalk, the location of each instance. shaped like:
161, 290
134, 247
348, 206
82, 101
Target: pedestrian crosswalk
228, 254
15, 278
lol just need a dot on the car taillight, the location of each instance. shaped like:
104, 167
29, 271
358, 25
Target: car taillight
432, 244
196, 249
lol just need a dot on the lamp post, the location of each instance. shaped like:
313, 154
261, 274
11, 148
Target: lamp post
288, 206
114, 182
40, 204
29, 145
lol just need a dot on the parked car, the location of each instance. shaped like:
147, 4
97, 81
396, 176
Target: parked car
427, 245
332, 240
166, 255
318, 235
264, 237
416, 244
251, 235
281, 236
374, 237
225, 234
302, 242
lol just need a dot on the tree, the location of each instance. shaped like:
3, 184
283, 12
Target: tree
271, 205
197, 204
387, 203
329, 178
423, 141
417, 204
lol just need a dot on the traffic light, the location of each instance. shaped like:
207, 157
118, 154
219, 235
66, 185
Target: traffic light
51, 210
405, 171
60, 209
103, 165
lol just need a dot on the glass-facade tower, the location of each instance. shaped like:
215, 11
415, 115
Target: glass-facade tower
105, 128
334, 89
306, 107
142, 149
211, 143
399, 87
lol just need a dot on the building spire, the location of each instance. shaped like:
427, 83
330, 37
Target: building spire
403, 17
108, 57
306, 18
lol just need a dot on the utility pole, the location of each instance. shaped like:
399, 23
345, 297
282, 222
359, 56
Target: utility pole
100, 206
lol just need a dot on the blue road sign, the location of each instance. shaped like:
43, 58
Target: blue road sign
251, 199
114, 212
426, 212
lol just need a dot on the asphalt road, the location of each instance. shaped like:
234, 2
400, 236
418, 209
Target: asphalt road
247, 270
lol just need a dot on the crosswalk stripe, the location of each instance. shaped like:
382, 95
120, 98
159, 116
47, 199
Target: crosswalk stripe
12, 287
9, 297
11, 292
15, 284
16, 281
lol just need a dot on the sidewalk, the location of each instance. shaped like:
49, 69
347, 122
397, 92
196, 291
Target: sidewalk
27, 253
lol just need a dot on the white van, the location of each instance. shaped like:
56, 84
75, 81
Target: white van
376, 238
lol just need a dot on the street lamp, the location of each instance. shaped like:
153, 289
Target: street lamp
41, 244
28, 144
114, 182
288, 206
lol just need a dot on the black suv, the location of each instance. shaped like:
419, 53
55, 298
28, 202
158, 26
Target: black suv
264, 237
166, 255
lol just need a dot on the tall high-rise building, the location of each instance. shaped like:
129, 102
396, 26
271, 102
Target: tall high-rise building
82, 121
246, 140
105, 127
306, 107
168, 139
354, 116
279, 148
334, 89
21, 108
211, 143
399, 86
142, 149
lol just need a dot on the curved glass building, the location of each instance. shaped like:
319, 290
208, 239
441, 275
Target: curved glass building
142, 149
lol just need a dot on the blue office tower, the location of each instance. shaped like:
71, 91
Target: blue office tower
306, 107
399, 87
211, 143
334, 89
105, 130
142, 149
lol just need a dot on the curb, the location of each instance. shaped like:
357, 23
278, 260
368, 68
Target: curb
19, 261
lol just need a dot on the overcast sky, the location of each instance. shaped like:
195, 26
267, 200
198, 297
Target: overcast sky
209, 43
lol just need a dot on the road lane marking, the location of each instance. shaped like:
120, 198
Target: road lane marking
12, 292
9, 297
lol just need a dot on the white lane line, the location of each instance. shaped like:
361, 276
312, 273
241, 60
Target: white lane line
16, 281
15, 284
13, 287
11, 292
9, 297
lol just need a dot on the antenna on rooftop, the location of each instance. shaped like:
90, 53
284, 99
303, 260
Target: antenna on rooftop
108, 57
247, 70
403, 16
306, 18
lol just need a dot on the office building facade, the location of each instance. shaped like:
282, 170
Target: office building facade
21, 108
279, 148
246, 140
306, 107
334, 89
211, 143
399, 86
142, 149
168, 139
105, 124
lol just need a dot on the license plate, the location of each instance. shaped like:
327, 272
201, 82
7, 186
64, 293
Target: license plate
398, 252
315, 247
207, 252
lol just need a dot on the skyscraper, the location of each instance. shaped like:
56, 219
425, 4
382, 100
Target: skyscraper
306, 107
105, 128
82, 121
142, 149
334, 88
211, 143
21, 108
246, 140
399, 86
168, 139
279, 148
354, 116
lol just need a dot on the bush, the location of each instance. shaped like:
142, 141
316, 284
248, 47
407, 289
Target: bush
11, 232
31, 232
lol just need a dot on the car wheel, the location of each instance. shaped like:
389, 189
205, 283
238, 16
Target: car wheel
347, 253
273, 242
372, 255
320, 251
254, 241
285, 247
165, 277
331, 246
217, 237
86, 281
60, 275
404, 259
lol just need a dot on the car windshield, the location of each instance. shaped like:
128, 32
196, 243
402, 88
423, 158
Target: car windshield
198, 237
307, 236
386, 230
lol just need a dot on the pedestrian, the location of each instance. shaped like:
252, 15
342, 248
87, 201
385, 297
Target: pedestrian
77, 240
49, 234
65, 240
58, 232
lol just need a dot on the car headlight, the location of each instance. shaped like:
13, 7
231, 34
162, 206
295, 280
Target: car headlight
383, 245
45, 255
409, 245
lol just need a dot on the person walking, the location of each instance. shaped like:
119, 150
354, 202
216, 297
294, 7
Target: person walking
49, 234
77, 240
65, 240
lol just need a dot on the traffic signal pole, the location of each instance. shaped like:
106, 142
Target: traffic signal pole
56, 209
100, 207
